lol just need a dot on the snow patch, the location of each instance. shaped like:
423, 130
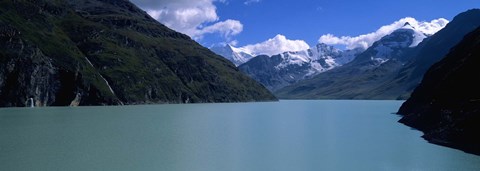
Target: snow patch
294, 58
378, 61
418, 37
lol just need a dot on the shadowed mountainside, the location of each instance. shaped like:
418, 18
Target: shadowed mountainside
99, 52
446, 105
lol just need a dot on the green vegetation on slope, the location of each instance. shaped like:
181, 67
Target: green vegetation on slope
106, 42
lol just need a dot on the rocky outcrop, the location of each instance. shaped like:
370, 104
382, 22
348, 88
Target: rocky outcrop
107, 52
446, 105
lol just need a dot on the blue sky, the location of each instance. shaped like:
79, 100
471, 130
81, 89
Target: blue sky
245, 22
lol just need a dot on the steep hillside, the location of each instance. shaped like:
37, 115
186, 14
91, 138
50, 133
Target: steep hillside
446, 105
107, 52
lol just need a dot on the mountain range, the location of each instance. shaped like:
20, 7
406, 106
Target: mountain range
101, 52
390, 69
287, 68
278, 71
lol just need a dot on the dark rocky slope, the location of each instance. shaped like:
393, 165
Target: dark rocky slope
99, 52
394, 79
446, 105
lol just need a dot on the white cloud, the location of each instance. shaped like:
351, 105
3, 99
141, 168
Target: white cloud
276, 45
227, 28
248, 2
366, 40
192, 17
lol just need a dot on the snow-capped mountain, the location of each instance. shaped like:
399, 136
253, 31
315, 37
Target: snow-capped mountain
320, 58
236, 55
391, 47
369, 69
330, 57
287, 68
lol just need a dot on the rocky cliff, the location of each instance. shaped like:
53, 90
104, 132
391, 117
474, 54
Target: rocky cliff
103, 52
446, 105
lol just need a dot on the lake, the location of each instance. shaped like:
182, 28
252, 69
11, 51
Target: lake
272, 136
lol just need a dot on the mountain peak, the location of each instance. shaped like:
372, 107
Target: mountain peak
236, 55
408, 26
416, 34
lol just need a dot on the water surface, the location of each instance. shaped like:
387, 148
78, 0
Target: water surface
277, 136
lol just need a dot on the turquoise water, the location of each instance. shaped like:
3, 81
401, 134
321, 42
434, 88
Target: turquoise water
276, 136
